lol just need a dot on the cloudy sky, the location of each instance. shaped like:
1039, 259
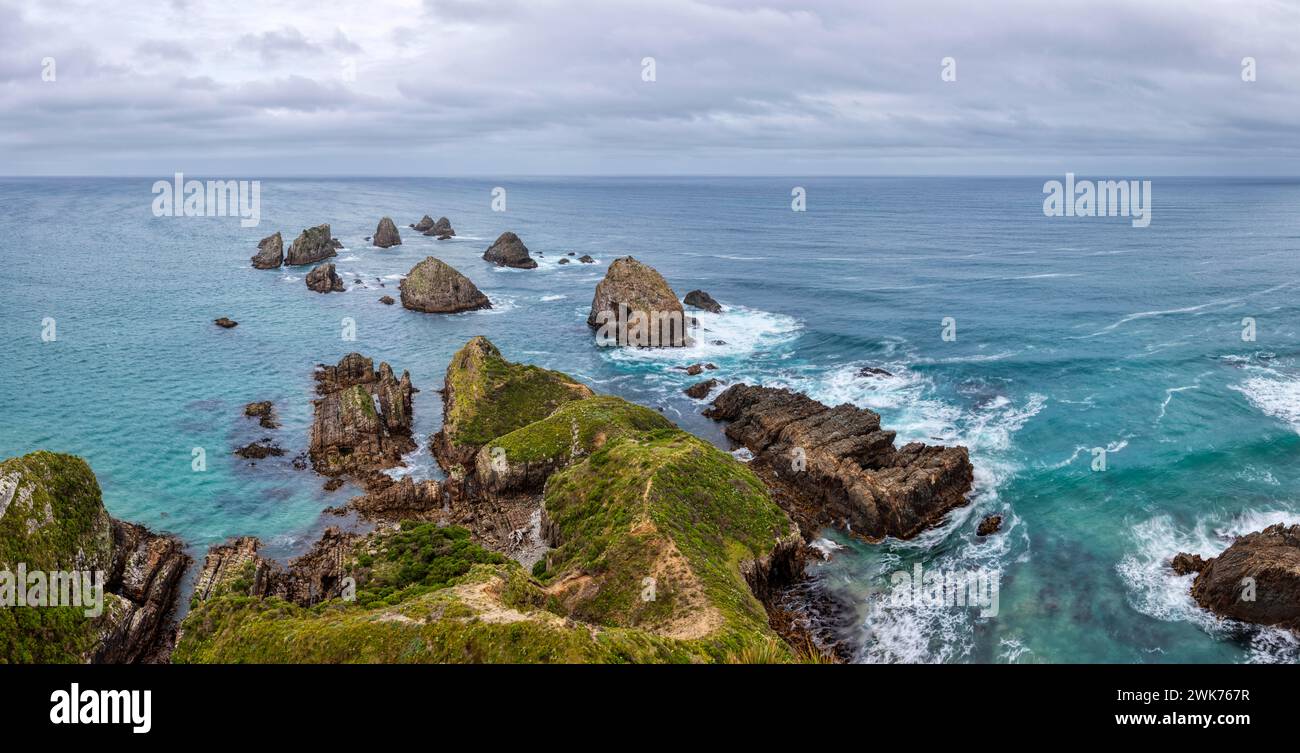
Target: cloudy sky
517, 87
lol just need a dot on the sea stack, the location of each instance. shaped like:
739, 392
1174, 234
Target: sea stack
435, 287
270, 253
702, 300
362, 420
509, 251
386, 234
425, 223
1255, 580
323, 279
634, 306
313, 245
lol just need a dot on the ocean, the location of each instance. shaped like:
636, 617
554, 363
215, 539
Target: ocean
1072, 335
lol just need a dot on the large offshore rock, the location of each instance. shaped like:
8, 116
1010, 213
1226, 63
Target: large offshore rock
509, 251
633, 305
1256, 579
323, 279
435, 287
837, 466
386, 234
315, 244
270, 252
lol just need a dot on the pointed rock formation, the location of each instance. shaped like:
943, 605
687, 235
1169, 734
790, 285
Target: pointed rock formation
362, 420
435, 287
836, 466
509, 251
634, 306
270, 253
313, 245
323, 279
386, 234
425, 223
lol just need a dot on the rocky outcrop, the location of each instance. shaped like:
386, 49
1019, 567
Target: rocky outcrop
702, 300
1184, 563
236, 568
441, 229
989, 525
323, 279
270, 253
837, 466
225, 323
52, 519
485, 396
260, 450
435, 287
404, 499
386, 234
586, 259
315, 244
362, 420
701, 390
634, 306
264, 412
509, 251
425, 223
1255, 580
387, 300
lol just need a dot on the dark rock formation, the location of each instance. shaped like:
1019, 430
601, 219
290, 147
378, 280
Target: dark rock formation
435, 287
405, 499
313, 245
442, 229
1184, 563
387, 300
586, 259
264, 411
425, 223
702, 300
323, 279
634, 306
386, 234
147, 570
563, 261
509, 251
990, 524
236, 567
362, 420
836, 466
1256, 579
270, 253
259, 450
701, 390
872, 371
225, 323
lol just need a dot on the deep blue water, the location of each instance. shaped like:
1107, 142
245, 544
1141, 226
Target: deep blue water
1072, 333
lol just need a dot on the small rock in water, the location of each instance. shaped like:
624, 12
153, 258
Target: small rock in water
701, 390
258, 450
702, 300
387, 300
333, 483
1184, 563
988, 525
585, 259
871, 371
263, 410
225, 323
562, 261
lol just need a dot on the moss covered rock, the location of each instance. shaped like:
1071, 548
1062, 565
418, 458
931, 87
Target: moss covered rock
485, 397
435, 287
522, 460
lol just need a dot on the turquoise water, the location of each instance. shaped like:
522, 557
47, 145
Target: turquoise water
1072, 334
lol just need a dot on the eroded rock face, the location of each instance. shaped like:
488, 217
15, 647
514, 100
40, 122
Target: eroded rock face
52, 518
264, 412
836, 466
425, 223
702, 300
509, 251
323, 279
435, 287
270, 253
313, 245
634, 306
362, 420
386, 234
701, 390
236, 567
1256, 579
989, 525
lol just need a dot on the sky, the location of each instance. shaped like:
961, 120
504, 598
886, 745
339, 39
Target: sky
224, 88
